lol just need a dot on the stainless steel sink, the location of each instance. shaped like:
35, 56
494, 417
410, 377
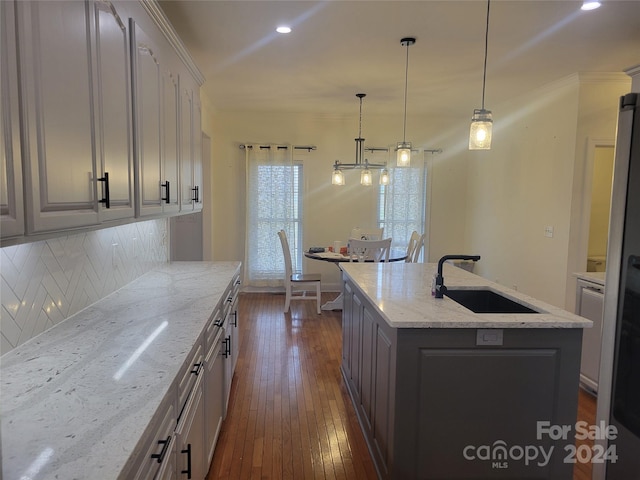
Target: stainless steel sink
486, 301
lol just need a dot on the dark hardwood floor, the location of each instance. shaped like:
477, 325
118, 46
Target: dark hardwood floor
290, 416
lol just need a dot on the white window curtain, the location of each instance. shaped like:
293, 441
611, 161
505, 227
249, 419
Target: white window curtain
274, 201
402, 204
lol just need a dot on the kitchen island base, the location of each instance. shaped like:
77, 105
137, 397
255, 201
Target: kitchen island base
461, 403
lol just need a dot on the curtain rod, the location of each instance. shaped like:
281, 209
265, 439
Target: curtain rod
242, 146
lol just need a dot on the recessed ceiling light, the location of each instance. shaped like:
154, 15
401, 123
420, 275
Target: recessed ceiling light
283, 29
590, 5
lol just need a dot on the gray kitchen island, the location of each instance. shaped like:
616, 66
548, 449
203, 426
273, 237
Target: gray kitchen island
443, 392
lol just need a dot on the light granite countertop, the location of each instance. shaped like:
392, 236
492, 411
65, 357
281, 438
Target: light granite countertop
401, 292
76, 399
595, 277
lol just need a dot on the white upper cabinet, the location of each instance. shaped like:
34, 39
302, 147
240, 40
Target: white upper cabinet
170, 150
11, 206
100, 116
197, 148
60, 168
190, 146
75, 73
188, 189
113, 107
156, 95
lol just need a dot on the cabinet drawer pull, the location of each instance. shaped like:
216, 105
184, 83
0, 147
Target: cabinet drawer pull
227, 347
163, 452
106, 199
167, 198
196, 368
188, 452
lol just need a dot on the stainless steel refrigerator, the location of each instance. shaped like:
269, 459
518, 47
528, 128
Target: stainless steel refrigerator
619, 377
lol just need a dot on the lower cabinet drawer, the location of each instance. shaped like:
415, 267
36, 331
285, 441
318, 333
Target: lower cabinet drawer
159, 452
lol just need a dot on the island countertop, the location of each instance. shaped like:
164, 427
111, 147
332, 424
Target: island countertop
77, 399
401, 292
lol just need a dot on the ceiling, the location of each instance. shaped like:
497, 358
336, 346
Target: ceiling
339, 48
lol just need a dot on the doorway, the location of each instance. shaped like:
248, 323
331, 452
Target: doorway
600, 207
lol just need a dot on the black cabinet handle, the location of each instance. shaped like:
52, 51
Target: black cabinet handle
235, 318
196, 194
106, 200
163, 452
196, 368
227, 347
188, 452
166, 185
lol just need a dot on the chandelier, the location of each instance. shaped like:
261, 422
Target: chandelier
366, 178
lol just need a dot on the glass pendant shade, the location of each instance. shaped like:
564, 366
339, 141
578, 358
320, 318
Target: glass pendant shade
384, 177
403, 158
480, 131
337, 178
366, 178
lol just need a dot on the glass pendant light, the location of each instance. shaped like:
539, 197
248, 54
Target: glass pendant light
337, 177
403, 158
384, 177
482, 121
366, 178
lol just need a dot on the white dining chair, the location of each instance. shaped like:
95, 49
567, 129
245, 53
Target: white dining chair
416, 242
370, 250
297, 282
367, 233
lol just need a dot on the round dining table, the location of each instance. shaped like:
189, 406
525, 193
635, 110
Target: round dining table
395, 255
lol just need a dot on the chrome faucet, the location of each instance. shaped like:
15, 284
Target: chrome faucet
440, 289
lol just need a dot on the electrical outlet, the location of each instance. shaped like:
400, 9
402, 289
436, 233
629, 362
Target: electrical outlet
548, 231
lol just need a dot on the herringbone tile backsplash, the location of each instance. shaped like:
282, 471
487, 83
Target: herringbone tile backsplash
45, 282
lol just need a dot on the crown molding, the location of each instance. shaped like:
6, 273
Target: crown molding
163, 23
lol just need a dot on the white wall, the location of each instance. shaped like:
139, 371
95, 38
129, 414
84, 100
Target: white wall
534, 177
493, 203
331, 211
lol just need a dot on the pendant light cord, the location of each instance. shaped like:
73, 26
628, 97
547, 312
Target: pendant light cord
486, 44
406, 83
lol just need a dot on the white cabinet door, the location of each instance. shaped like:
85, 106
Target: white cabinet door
59, 151
113, 107
170, 152
197, 148
190, 437
11, 206
188, 190
213, 397
76, 109
148, 95
157, 96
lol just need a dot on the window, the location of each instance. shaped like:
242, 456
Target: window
274, 200
402, 203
